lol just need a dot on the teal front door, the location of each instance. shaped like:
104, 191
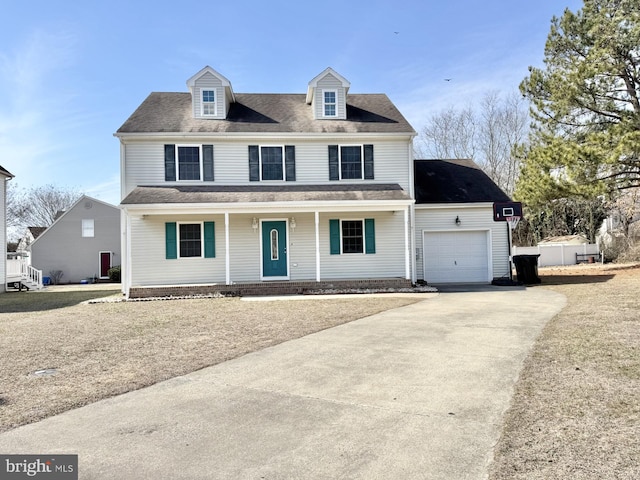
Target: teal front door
274, 249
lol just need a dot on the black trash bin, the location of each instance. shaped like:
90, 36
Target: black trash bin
527, 268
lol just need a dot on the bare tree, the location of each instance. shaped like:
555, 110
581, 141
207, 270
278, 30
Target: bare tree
489, 136
39, 206
450, 134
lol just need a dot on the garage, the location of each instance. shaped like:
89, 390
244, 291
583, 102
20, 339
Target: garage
460, 256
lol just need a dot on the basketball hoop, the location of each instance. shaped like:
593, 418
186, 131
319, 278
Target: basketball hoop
513, 222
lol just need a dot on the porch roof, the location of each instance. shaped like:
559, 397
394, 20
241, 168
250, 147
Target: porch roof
298, 197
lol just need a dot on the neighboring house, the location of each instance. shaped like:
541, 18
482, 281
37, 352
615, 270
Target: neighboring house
5, 176
221, 189
83, 243
457, 239
24, 245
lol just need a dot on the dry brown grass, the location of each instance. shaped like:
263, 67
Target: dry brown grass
576, 410
105, 349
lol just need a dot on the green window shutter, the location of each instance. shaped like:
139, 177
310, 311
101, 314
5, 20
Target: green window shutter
334, 236
254, 163
207, 162
171, 239
368, 162
290, 163
334, 168
370, 235
170, 163
209, 240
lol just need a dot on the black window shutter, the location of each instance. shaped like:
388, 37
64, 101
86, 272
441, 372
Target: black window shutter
290, 163
170, 163
254, 163
334, 170
368, 162
207, 162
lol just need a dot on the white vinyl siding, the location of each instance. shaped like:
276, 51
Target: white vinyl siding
148, 253
145, 160
471, 219
208, 82
330, 83
388, 261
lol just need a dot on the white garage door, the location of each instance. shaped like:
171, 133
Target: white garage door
456, 257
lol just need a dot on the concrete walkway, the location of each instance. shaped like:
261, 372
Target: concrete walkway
417, 392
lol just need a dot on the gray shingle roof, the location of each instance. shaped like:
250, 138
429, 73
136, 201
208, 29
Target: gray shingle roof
263, 193
264, 113
454, 181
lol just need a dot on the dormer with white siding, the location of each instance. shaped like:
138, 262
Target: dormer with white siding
211, 94
327, 95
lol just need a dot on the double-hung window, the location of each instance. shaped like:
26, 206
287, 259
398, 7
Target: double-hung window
351, 162
330, 103
190, 240
188, 162
88, 227
209, 102
352, 236
272, 163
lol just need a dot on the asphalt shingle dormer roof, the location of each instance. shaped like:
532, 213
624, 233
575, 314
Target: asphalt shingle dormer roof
265, 113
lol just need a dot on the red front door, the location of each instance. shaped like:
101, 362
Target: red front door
105, 264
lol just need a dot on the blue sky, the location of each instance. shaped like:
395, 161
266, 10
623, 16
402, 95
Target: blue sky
72, 72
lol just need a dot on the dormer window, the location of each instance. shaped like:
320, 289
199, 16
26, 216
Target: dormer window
330, 102
209, 102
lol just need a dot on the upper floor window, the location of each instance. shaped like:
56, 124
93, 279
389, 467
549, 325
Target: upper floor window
188, 162
329, 103
351, 162
88, 227
272, 160
209, 102
272, 163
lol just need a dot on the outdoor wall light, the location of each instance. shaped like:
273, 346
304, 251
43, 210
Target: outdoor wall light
293, 224
254, 224
458, 222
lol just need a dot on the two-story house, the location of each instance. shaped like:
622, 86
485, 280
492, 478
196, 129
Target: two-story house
225, 189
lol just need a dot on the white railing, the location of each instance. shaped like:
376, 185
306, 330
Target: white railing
18, 270
557, 254
33, 275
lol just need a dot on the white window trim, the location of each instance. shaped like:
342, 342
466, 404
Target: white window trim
361, 161
325, 103
177, 160
284, 166
86, 229
364, 237
214, 103
201, 239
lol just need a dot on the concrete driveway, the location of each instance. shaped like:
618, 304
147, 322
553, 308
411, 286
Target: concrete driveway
417, 392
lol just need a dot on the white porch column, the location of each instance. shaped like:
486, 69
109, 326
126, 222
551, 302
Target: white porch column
227, 255
317, 219
407, 253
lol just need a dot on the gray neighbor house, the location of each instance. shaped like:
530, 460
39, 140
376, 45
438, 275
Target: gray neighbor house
83, 242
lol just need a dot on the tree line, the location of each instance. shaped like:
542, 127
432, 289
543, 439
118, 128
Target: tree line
574, 160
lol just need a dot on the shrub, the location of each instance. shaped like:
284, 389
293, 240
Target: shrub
114, 273
55, 276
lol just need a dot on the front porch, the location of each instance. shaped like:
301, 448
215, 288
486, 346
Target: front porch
269, 288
